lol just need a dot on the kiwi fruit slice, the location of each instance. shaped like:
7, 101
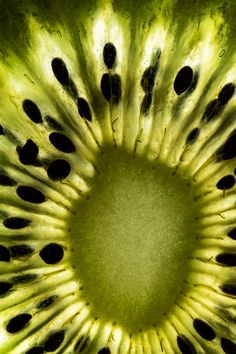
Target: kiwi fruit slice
117, 177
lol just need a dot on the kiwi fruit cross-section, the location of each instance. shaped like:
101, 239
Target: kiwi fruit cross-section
117, 177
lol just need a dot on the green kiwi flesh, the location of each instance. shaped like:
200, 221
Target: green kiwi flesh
117, 177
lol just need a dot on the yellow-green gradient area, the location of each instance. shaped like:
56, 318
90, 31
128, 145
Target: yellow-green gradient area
132, 238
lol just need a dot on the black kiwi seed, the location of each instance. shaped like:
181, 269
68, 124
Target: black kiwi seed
226, 182
6, 180
106, 86
1, 130
46, 302
18, 322
5, 287
61, 142
4, 254
232, 234
111, 87
212, 110
204, 329
226, 93
228, 346
52, 253
146, 103
35, 350
32, 111
60, 71
185, 346
193, 135
229, 289
148, 79
20, 250
54, 341
28, 153
227, 259
183, 80
84, 109
30, 194
59, 169
22, 279
105, 350
228, 150
109, 55
16, 223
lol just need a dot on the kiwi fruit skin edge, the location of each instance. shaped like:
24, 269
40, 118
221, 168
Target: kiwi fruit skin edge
149, 86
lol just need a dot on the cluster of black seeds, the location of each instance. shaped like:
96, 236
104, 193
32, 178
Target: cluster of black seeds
148, 82
110, 83
216, 106
58, 169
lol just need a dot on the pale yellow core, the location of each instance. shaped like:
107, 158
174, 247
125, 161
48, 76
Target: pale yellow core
132, 238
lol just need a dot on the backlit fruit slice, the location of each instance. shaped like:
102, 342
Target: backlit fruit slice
117, 177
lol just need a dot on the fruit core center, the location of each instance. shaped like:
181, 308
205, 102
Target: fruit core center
131, 239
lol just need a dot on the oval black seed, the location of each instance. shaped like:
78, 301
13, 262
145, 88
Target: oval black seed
52, 253
204, 329
6, 181
228, 150
228, 346
84, 109
105, 350
32, 111
109, 55
106, 86
4, 254
58, 170
185, 346
229, 289
26, 278
46, 302
54, 341
115, 88
5, 287
18, 322
226, 182
30, 194
1, 130
35, 350
16, 223
183, 80
148, 79
227, 259
146, 103
213, 108
226, 93
232, 234
28, 153
20, 250
53, 123
60, 71
193, 135
61, 142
